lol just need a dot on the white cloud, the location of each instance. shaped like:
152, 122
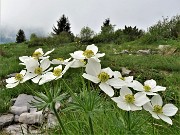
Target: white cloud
92, 13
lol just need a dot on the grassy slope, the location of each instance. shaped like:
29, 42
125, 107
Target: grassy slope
165, 69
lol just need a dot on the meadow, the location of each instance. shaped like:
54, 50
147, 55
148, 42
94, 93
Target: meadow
106, 117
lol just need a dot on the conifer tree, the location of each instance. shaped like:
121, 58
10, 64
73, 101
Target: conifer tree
63, 25
20, 37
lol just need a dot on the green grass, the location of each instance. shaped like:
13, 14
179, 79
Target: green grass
109, 119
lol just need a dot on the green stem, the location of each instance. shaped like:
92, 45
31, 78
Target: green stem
129, 120
153, 126
90, 124
59, 119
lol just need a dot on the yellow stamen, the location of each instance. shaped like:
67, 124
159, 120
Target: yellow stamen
158, 109
38, 71
103, 76
36, 55
147, 88
88, 53
129, 98
19, 77
60, 59
57, 72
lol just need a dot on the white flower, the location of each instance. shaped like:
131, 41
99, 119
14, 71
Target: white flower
118, 81
60, 61
38, 54
75, 63
36, 69
95, 74
90, 52
158, 111
14, 81
148, 88
127, 101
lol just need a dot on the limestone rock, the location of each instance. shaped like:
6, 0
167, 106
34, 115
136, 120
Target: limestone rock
51, 121
16, 129
31, 118
125, 71
163, 47
6, 120
16, 118
18, 110
145, 52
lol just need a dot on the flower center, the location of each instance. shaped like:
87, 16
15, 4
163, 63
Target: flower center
147, 88
103, 76
60, 59
36, 55
38, 70
88, 53
57, 72
83, 61
19, 77
158, 109
129, 98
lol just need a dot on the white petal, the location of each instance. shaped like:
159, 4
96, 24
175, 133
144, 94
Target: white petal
93, 48
151, 83
107, 89
76, 63
124, 106
154, 115
48, 52
116, 83
159, 88
140, 99
169, 110
117, 74
56, 61
156, 100
134, 107
47, 78
78, 55
95, 58
93, 67
31, 64
45, 64
94, 79
150, 93
11, 80
12, 85
165, 118
36, 79
148, 107
28, 76
23, 72
98, 55
108, 71
125, 91
39, 50
117, 99
24, 58
137, 86
128, 79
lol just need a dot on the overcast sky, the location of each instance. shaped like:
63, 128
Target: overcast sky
92, 13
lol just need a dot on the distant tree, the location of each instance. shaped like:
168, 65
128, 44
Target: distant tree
63, 25
33, 36
86, 33
20, 37
107, 27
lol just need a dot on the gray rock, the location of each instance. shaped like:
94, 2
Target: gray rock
34, 131
125, 71
51, 121
144, 52
163, 47
12, 101
124, 52
16, 118
6, 120
16, 129
18, 110
31, 118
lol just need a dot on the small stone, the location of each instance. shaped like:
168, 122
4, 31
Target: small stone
51, 121
16, 129
125, 71
34, 131
31, 118
144, 52
163, 47
124, 52
57, 105
18, 110
6, 120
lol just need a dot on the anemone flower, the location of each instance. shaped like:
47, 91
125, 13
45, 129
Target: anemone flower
149, 87
158, 111
95, 74
130, 102
90, 52
60, 61
36, 69
18, 78
38, 54
120, 81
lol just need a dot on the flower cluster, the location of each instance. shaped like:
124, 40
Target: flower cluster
39, 69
